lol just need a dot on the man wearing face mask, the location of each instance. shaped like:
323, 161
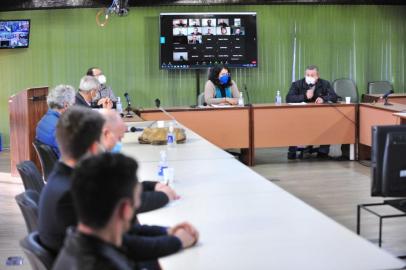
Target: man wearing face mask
105, 91
88, 94
59, 100
78, 134
220, 88
311, 89
155, 195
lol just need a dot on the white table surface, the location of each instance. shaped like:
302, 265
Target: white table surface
247, 222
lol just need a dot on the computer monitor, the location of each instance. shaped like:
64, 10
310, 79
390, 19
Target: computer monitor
14, 34
202, 40
388, 158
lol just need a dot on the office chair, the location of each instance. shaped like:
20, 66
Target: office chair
30, 175
379, 87
200, 99
28, 203
40, 258
346, 88
47, 158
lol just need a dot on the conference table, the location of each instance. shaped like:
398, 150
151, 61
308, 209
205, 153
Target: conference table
267, 125
375, 114
399, 98
245, 221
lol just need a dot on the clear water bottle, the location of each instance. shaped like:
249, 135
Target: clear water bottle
278, 98
241, 100
163, 164
171, 140
119, 106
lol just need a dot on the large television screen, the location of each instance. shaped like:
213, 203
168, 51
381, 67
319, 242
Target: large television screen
202, 40
14, 34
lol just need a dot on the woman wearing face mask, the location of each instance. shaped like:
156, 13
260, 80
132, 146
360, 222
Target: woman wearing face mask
220, 88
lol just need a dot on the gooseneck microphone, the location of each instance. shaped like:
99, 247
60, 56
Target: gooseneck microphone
128, 109
386, 96
127, 98
248, 95
158, 105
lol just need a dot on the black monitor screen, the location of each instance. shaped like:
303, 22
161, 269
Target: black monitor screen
388, 165
202, 40
14, 34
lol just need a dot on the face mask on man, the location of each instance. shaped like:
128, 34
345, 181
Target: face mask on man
224, 78
310, 80
102, 79
117, 147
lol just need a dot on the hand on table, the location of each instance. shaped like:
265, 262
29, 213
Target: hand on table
187, 234
106, 103
171, 193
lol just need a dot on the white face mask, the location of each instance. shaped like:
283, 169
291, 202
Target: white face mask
102, 79
310, 80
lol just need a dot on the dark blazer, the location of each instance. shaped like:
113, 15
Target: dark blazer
86, 252
297, 92
57, 213
79, 100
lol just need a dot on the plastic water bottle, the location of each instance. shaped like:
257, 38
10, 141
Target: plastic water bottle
241, 100
278, 98
163, 164
171, 140
119, 106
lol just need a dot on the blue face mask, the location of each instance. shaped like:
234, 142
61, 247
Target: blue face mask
224, 79
117, 148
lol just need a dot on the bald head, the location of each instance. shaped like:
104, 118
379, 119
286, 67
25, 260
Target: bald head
113, 129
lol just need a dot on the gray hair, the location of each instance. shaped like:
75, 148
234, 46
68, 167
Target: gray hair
60, 96
88, 83
312, 67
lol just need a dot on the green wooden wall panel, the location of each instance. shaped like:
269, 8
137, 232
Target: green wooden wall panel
364, 43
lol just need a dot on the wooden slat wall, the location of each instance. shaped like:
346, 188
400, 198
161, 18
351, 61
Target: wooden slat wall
364, 43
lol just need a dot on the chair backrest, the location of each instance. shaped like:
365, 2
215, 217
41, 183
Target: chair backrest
40, 258
200, 99
379, 87
346, 88
30, 175
47, 158
28, 203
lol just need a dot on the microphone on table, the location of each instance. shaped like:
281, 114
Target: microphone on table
158, 105
248, 96
134, 129
128, 109
386, 96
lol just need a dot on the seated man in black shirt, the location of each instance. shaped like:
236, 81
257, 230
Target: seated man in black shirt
87, 95
105, 193
78, 135
315, 90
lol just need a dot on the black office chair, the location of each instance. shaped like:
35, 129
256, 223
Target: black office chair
30, 175
379, 87
47, 158
346, 88
28, 203
40, 258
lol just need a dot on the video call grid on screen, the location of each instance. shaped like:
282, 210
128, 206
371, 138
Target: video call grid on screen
14, 34
201, 40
